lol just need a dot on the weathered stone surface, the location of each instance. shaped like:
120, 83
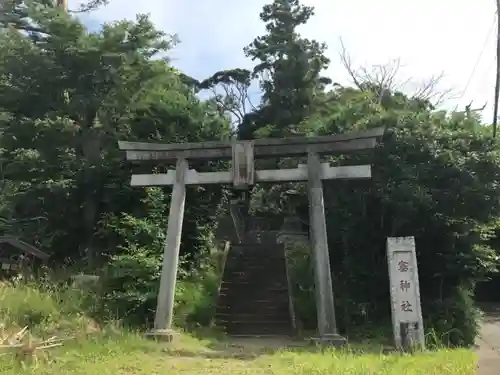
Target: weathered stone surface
335, 340
161, 335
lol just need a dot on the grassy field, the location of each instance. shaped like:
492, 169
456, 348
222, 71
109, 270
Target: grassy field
117, 352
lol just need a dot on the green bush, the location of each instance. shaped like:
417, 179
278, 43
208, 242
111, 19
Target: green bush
27, 305
454, 319
128, 285
129, 291
43, 306
301, 273
130, 281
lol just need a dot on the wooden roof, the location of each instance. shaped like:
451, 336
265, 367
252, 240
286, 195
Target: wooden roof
23, 246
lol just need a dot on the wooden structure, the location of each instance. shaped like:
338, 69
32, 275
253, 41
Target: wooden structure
242, 175
16, 255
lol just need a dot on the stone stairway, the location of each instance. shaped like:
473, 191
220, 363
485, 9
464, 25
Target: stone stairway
253, 298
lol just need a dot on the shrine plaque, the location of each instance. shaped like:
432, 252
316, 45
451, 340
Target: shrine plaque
243, 164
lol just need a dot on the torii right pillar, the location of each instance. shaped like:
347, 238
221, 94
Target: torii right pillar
327, 325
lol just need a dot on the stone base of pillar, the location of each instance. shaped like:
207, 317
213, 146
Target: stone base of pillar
334, 340
161, 335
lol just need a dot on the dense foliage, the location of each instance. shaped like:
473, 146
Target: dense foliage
67, 95
435, 177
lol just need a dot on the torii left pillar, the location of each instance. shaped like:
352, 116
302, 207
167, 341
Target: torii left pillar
166, 294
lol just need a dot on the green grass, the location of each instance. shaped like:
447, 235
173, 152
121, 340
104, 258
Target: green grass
118, 352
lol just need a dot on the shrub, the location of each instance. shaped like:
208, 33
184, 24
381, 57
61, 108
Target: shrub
130, 281
43, 307
454, 319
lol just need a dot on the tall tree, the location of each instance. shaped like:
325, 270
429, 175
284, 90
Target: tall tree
288, 69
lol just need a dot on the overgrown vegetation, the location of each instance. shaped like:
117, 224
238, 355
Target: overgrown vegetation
67, 95
112, 350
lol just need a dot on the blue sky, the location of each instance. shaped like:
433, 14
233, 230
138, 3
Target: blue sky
428, 36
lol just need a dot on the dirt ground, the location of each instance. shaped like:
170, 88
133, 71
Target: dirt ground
488, 343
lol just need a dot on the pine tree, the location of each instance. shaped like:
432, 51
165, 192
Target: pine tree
289, 70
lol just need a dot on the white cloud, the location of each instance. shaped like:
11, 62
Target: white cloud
428, 36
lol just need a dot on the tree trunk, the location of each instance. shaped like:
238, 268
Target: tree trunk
63, 4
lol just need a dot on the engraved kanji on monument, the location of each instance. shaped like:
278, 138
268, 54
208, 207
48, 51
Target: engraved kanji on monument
405, 293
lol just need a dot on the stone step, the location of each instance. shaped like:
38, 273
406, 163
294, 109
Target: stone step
256, 256
227, 315
255, 260
281, 322
224, 319
246, 310
256, 245
255, 268
253, 284
257, 277
256, 253
248, 294
244, 266
258, 282
282, 328
280, 336
261, 276
254, 307
236, 285
261, 254
251, 307
258, 249
251, 293
253, 297
272, 299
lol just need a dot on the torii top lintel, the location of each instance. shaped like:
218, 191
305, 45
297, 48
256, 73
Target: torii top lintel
266, 147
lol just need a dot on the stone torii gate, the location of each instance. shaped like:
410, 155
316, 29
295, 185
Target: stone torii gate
243, 174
